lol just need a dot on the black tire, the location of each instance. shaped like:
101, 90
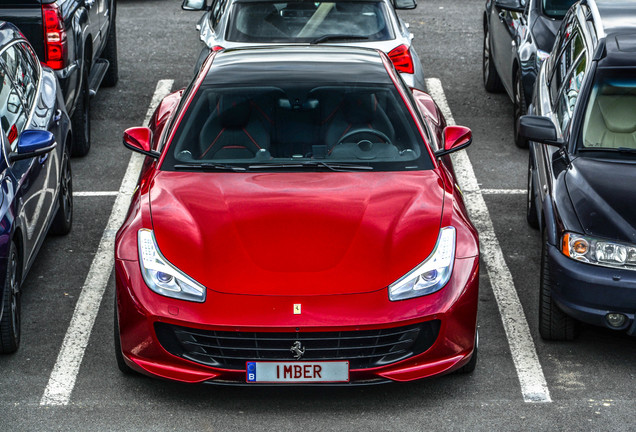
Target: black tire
121, 363
520, 107
554, 324
11, 301
110, 54
63, 221
531, 203
472, 363
81, 119
492, 82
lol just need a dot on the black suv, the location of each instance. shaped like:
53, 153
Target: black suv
518, 35
77, 39
582, 171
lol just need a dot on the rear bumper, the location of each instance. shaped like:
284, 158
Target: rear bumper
455, 306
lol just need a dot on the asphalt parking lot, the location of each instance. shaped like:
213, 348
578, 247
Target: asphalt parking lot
520, 383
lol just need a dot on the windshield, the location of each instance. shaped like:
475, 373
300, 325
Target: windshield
297, 125
557, 8
303, 21
610, 117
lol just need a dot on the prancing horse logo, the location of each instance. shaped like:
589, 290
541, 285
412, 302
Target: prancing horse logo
298, 350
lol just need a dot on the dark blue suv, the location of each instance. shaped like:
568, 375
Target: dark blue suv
582, 171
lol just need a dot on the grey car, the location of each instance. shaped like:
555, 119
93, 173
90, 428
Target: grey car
364, 23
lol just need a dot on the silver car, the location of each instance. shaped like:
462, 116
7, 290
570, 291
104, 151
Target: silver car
364, 23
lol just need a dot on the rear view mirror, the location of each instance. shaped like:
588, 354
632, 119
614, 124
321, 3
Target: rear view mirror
404, 4
455, 138
538, 129
194, 5
514, 5
33, 143
138, 139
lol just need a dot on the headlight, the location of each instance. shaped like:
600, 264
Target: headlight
598, 251
161, 276
431, 275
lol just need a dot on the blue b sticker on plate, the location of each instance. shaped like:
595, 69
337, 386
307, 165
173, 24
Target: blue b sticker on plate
251, 371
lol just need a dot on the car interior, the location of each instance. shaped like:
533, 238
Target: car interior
610, 119
301, 20
324, 122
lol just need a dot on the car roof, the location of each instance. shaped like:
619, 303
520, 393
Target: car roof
321, 64
617, 16
8, 33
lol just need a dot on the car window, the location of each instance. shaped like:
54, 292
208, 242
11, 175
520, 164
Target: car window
296, 21
21, 71
568, 97
561, 40
556, 8
32, 74
297, 122
610, 116
218, 7
568, 56
12, 115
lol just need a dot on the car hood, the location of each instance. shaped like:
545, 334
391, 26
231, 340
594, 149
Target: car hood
296, 233
544, 31
601, 192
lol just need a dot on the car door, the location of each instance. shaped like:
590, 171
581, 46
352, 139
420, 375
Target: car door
94, 9
36, 177
507, 17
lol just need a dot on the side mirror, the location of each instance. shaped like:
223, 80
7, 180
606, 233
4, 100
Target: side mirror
404, 4
538, 129
455, 138
33, 143
138, 139
194, 5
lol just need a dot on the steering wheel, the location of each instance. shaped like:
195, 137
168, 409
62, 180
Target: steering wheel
365, 130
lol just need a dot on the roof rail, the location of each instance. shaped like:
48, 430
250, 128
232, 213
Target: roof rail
596, 17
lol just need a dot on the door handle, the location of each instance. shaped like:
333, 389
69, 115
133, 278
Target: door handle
43, 158
57, 116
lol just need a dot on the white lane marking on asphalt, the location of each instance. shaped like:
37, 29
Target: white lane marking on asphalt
62, 380
503, 191
524, 354
95, 193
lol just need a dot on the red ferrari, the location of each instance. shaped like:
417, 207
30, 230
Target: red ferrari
298, 221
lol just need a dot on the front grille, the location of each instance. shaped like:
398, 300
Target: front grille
363, 349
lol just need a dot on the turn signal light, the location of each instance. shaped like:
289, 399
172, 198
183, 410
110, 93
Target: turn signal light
401, 58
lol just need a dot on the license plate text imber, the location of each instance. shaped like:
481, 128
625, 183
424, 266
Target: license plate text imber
272, 372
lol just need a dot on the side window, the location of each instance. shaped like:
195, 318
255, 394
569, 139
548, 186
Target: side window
217, 11
561, 40
567, 98
12, 115
32, 75
21, 71
568, 56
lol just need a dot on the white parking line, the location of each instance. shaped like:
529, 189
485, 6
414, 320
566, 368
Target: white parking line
524, 354
62, 380
95, 193
503, 191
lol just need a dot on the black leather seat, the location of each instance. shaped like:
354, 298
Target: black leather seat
233, 131
356, 111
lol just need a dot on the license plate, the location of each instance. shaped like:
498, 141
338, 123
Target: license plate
297, 372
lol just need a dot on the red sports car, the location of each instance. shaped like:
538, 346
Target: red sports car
297, 220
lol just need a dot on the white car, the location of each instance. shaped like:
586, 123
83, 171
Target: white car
363, 23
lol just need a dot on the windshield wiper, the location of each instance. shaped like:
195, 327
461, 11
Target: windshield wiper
338, 167
609, 149
210, 167
332, 37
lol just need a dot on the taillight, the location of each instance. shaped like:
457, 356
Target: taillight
55, 49
217, 48
401, 58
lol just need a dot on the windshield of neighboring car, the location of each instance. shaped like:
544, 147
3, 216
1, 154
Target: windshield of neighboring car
297, 125
557, 8
303, 21
610, 117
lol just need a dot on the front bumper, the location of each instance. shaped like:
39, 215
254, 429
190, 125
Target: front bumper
588, 292
141, 312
